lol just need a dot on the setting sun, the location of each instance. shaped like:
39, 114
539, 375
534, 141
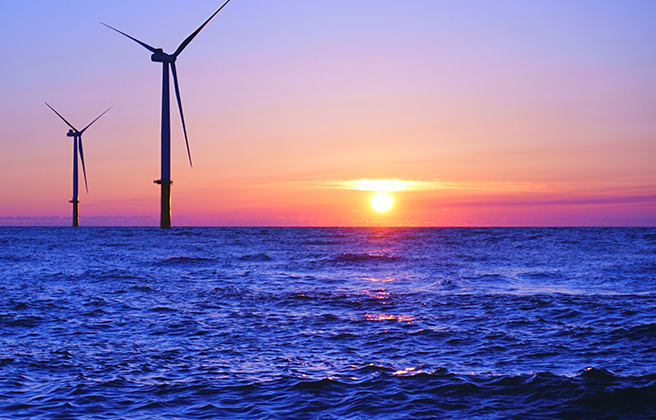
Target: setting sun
382, 202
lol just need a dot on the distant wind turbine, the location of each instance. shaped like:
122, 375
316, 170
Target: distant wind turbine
77, 143
168, 61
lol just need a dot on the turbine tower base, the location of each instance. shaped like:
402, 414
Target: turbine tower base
76, 217
165, 203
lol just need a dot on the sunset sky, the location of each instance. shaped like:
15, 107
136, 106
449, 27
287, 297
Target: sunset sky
486, 113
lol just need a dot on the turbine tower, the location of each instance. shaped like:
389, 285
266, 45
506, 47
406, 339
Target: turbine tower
77, 144
168, 64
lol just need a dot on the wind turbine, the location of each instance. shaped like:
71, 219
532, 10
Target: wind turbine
168, 63
77, 143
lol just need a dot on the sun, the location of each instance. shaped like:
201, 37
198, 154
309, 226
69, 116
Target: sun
382, 202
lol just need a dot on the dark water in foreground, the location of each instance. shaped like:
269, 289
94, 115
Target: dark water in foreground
327, 323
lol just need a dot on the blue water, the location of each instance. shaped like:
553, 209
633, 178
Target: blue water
327, 323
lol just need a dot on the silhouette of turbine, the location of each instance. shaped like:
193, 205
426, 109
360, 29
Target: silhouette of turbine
168, 61
77, 143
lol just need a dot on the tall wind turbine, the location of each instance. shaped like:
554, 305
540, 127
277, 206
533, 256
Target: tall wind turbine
77, 144
168, 62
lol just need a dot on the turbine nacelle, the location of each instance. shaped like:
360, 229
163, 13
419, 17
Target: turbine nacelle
159, 56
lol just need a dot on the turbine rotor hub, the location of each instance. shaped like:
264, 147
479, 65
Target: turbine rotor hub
159, 56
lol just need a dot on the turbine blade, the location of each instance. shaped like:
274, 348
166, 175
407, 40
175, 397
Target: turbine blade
193, 35
84, 129
177, 95
143, 44
63, 119
84, 169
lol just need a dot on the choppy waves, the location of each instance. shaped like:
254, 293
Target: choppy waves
327, 323
370, 391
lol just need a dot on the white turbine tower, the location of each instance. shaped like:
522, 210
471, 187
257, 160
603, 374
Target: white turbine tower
77, 144
168, 62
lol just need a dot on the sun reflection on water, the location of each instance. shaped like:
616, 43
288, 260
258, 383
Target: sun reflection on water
380, 280
410, 371
390, 317
405, 371
379, 294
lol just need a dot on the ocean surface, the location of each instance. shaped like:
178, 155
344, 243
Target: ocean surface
327, 323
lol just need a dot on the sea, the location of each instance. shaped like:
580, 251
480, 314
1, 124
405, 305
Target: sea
327, 323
